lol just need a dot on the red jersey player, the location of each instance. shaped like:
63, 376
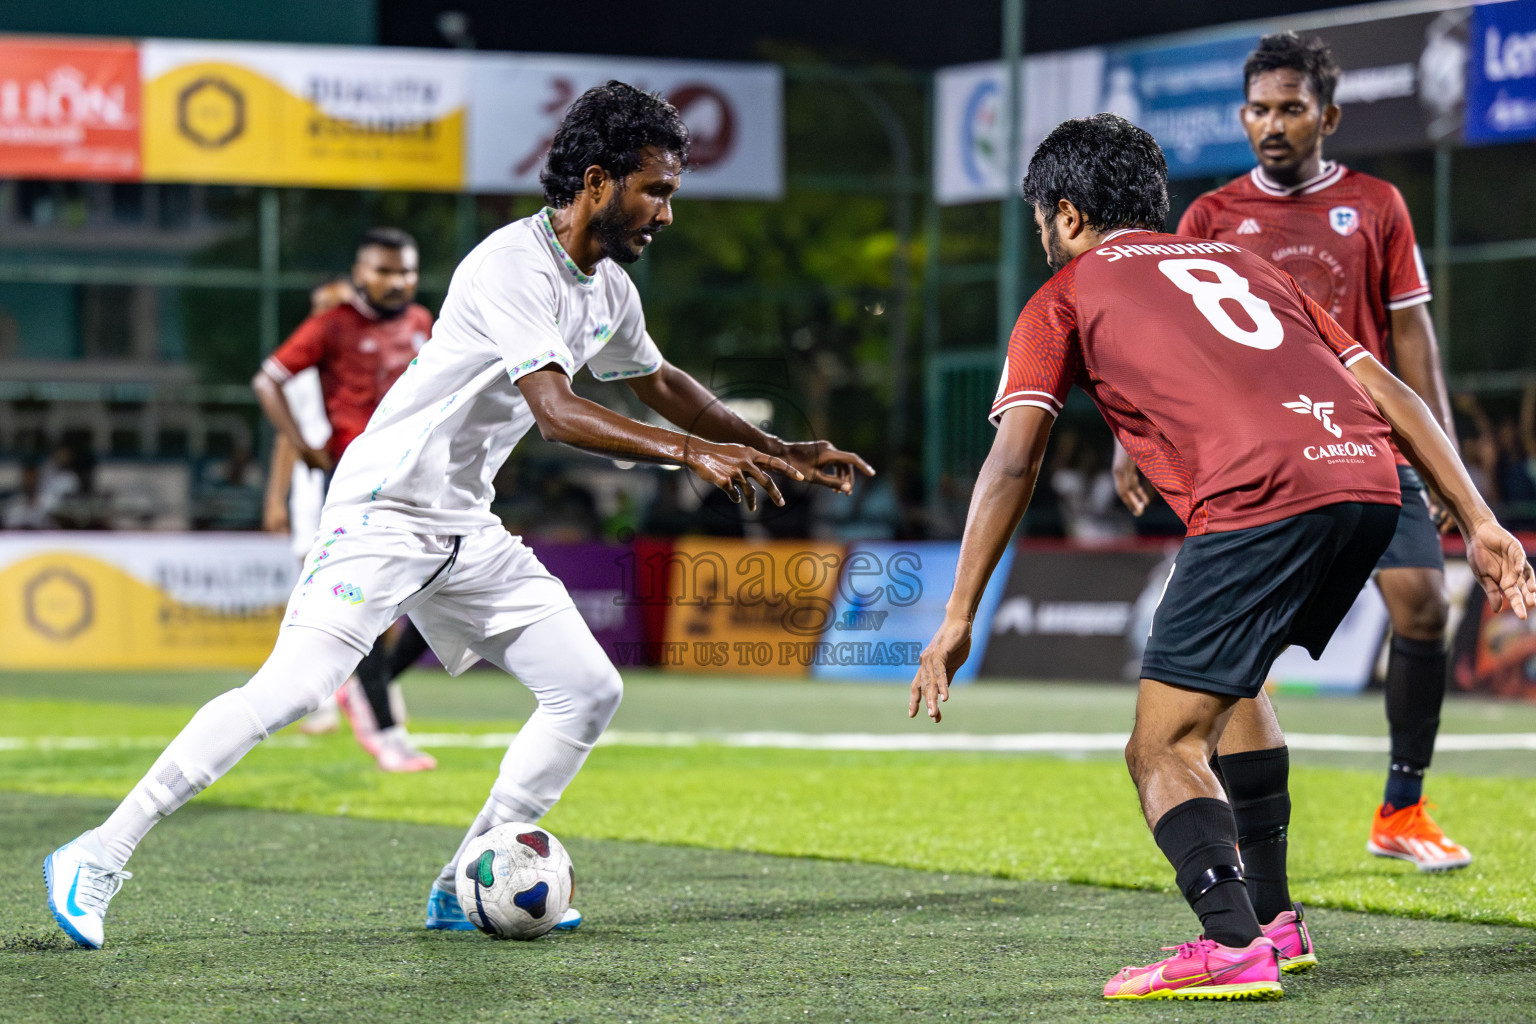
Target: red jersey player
1347, 240
1265, 426
360, 347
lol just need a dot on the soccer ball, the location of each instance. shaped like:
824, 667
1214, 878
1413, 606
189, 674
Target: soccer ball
515, 881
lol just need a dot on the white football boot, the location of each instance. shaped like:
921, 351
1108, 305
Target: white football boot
80, 886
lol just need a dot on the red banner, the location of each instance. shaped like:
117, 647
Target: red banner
69, 109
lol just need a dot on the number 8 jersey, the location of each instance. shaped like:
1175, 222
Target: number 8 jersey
1224, 382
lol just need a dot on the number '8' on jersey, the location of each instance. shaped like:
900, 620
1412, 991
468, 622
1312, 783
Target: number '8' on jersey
1198, 355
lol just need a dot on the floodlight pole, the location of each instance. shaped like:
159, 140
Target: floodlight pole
1011, 226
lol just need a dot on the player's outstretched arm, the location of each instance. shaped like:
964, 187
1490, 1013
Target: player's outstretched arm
678, 396
1495, 557
1002, 493
566, 417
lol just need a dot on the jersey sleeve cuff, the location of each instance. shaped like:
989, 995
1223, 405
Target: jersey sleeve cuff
643, 371
1414, 298
1352, 355
1010, 402
276, 370
551, 357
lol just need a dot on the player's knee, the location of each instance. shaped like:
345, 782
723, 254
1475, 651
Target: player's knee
1423, 616
1418, 605
1430, 615
601, 692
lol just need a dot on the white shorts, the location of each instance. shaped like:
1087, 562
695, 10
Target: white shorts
459, 590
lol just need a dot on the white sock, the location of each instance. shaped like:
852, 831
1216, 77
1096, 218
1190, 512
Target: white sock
221, 733
537, 767
304, 668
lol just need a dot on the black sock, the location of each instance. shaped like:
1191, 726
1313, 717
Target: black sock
1199, 839
1405, 786
1415, 690
1258, 784
372, 672
409, 646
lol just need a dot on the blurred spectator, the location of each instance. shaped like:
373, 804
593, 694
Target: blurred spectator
230, 493
1085, 488
1501, 457
1479, 448
28, 508
58, 479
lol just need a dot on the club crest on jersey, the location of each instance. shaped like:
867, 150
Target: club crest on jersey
1344, 219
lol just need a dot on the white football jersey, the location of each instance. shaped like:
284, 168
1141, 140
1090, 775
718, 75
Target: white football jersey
517, 303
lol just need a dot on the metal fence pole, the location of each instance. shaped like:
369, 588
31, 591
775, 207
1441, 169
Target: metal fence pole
1011, 228
1442, 275
269, 229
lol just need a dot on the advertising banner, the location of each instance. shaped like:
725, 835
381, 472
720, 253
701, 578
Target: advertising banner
69, 109
303, 115
1188, 98
1501, 73
1350, 657
598, 577
971, 120
1402, 82
141, 601
737, 607
1074, 614
1493, 654
889, 601
734, 113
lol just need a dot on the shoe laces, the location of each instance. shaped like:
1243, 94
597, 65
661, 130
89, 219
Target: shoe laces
1188, 950
97, 886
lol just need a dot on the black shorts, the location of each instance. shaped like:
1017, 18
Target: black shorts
1235, 600
1416, 544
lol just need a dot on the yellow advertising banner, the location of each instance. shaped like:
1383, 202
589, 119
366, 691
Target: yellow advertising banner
303, 115
141, 601
745, 607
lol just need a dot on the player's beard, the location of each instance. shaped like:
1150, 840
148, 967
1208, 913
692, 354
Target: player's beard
1055, 256
615, 237
382, 312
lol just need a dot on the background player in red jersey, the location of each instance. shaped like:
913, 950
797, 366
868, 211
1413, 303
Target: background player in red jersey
360, 340
1347, 240
1198, 354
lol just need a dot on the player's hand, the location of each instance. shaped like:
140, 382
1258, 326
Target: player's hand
822, 462
1128, 482
734, 468
1499, 563
274, 518
317, 458
940, 660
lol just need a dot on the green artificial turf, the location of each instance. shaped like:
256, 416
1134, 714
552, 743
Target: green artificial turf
256, 916
1042, 818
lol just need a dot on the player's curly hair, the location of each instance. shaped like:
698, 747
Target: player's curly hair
1111, 170
1289, 51
609, 125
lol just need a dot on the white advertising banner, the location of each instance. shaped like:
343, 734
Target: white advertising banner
971, 126
734, 112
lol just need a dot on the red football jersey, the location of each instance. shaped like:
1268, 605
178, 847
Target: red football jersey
1224, 382
359, 354
1344, 236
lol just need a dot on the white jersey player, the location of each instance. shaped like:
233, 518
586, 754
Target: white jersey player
407, 526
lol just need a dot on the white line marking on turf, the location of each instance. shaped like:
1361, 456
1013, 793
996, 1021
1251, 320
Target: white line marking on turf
1006, 743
